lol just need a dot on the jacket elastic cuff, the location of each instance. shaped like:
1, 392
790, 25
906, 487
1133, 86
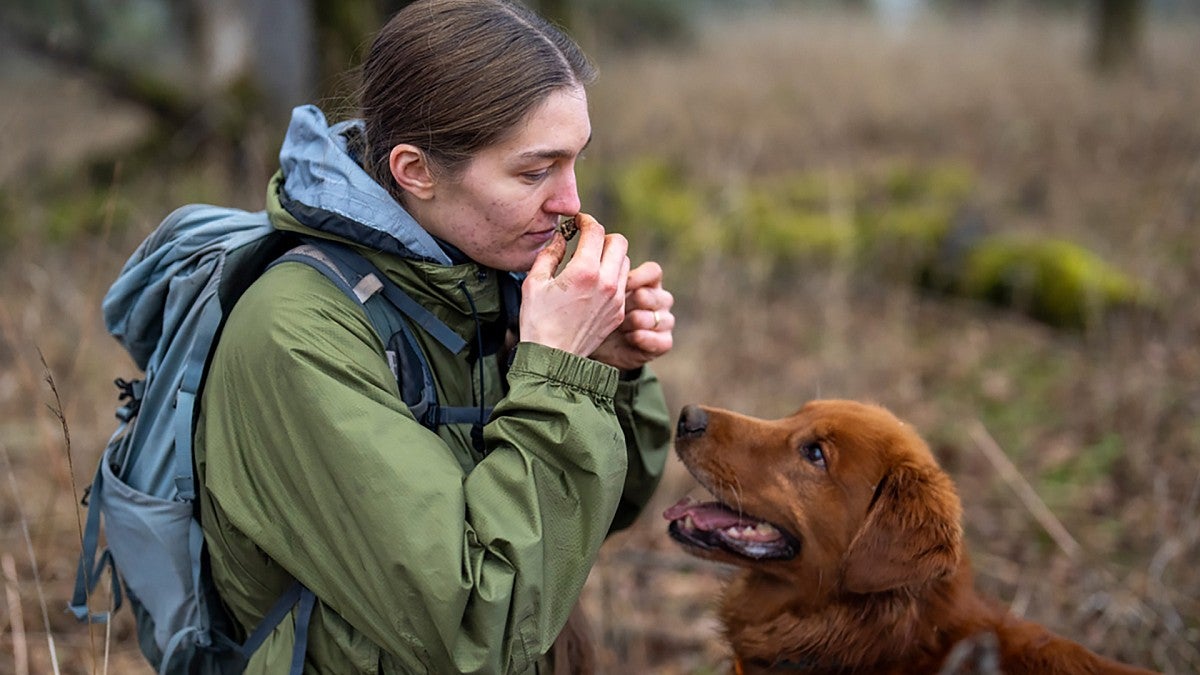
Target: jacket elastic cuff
593, 377
627, 387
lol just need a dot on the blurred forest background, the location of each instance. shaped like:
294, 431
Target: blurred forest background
983, 214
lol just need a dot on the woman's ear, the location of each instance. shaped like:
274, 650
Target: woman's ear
410, 169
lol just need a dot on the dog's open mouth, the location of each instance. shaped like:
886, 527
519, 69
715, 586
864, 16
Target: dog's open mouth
712, 525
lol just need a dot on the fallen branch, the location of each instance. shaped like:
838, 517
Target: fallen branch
1025, 492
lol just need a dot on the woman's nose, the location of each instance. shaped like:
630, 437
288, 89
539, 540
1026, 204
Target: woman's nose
565, 199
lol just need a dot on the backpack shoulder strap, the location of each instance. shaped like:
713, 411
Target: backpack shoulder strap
358, 278
380, 297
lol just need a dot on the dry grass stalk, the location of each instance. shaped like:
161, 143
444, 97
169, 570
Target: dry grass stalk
57, 410
12, 340
12, 594
1028, 496
37, 581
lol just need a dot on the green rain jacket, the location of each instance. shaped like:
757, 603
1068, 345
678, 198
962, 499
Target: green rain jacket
425, 554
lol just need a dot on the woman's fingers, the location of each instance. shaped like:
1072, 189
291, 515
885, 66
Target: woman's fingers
580, 307
548, 259
661, 320
597, 304
648, 274
614, 265
590, 248
648, 309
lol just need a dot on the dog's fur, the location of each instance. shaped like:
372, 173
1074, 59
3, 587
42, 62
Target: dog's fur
848, 536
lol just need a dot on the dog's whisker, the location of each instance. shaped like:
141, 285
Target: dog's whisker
736, 487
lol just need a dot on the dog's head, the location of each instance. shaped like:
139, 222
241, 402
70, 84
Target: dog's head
839, 492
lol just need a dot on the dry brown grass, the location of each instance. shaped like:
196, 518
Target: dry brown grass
1101, 427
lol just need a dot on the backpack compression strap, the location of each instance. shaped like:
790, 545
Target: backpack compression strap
87, 576
296, 595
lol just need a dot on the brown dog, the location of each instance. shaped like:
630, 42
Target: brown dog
851, 551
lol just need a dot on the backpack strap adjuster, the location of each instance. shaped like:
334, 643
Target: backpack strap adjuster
130, 391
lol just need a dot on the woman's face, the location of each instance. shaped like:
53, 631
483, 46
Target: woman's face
504, 207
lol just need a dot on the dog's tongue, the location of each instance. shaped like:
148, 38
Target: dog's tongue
707, 515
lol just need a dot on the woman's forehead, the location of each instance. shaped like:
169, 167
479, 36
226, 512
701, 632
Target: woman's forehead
558, 127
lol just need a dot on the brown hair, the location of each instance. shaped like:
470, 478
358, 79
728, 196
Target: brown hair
455, 76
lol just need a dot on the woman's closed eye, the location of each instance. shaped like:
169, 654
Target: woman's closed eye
536, 176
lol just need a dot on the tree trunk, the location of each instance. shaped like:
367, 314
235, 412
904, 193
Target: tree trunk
283, 52
1118, 34
259, 51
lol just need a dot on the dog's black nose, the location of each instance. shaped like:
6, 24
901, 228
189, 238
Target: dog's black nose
693, 422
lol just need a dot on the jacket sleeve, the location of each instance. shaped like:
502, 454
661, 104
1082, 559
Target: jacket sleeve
312, 456
646, 423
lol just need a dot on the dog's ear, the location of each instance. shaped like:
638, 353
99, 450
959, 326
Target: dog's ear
912, 533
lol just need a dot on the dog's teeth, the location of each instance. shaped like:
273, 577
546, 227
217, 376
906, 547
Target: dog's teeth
758, 532
688, 524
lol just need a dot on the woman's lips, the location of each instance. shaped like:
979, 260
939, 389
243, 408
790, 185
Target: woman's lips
542, 236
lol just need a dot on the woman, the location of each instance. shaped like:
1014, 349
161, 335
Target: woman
462, 550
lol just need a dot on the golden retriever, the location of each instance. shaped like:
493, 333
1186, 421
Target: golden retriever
849, 541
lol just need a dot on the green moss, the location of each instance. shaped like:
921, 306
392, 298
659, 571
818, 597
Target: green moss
949, 183
893, 224
935, 183
896, 220
905, 238
655, 203
1053, 280
655, 195
809, 190
800, 235
785, 222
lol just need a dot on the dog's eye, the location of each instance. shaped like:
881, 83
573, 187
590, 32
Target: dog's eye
814, 454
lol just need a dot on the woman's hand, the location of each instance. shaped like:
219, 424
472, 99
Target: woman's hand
578, 309
646, 331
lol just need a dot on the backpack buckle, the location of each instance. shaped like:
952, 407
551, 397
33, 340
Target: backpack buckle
426, 412
131, 391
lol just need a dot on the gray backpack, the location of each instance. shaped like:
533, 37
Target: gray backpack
167, 308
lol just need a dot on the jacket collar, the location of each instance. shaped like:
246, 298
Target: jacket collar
324, 187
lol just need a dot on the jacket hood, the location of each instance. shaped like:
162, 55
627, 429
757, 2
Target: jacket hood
323, 186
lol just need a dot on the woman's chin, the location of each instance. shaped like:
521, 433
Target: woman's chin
519, 262
517, 256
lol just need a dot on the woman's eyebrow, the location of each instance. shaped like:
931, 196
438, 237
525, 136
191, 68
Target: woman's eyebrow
555, 153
